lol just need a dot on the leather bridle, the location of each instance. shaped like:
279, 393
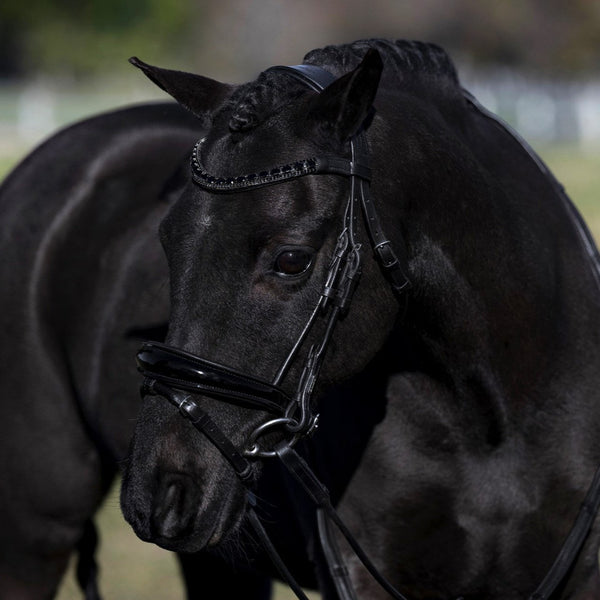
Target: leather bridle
178, 375
183, 371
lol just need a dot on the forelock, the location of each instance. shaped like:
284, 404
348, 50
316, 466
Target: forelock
254, 102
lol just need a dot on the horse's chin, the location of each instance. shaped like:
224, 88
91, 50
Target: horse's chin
209, 532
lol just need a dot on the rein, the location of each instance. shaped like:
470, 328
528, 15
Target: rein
174, 374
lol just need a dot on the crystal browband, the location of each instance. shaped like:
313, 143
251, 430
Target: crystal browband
308, 166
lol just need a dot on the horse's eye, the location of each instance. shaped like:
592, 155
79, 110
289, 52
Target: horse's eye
293, 261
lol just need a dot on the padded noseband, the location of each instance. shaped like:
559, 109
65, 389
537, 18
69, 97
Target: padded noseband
185, 371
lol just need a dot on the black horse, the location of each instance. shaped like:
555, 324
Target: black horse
459, 392
83, 281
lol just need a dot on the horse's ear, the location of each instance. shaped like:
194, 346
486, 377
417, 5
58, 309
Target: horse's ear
343, 105
198, 94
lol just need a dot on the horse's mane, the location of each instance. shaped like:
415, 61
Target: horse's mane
408, 62
401, 58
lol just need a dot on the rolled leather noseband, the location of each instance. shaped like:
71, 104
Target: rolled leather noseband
185, 371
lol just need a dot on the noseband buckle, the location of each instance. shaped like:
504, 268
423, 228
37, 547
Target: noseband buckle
186, 407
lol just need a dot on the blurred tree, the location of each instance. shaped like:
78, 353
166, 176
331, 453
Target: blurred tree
552, 37
544, 35
79, 38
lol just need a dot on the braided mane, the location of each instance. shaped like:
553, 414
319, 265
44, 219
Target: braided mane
418, 61
402, 58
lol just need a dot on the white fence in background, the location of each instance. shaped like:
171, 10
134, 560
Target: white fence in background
542, 111
31, 111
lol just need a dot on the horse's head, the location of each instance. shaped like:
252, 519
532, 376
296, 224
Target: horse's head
249, 259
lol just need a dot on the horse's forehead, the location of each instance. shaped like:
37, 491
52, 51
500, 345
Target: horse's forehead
257, 152
296, 204
296, 211
280, 139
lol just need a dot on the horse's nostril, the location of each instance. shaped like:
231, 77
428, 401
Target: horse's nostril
173, 511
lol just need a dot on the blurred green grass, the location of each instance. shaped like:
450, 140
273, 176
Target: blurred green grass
132, 569
129, 568
579, 172
7, 162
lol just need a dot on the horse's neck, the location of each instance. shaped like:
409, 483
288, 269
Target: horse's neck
503, 332
502, 283
452, 334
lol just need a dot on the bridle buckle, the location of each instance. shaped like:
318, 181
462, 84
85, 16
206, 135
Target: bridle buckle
186, 407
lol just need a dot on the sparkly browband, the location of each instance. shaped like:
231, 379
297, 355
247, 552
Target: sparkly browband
308, 166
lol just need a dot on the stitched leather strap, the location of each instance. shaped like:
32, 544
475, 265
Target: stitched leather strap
314, 77
271, 550
203, 423
334, 559
394, 266
319, 494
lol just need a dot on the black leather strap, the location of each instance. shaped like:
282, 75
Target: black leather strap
335, 562
572, 545
191, 373
272, 551
312, 76
318, 165
300, 470
203, 423
342, 166
394, 266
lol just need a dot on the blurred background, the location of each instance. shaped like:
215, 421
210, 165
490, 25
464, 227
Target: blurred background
534, 62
